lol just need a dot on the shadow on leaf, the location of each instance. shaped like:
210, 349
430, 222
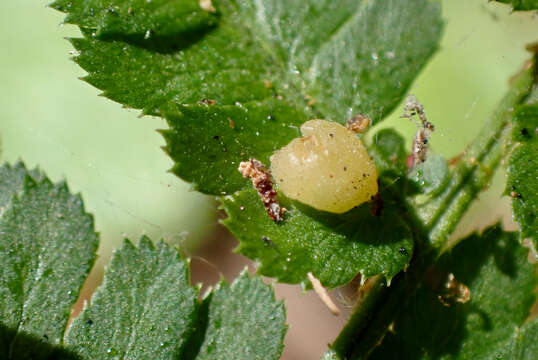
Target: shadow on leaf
163, 44
19, 345
494, 268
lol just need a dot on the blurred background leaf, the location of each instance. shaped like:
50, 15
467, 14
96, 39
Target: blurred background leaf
521, 4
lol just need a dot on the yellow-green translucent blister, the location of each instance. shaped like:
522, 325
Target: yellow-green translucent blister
328, 168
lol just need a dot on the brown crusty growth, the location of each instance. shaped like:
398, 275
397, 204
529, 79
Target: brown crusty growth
263, 183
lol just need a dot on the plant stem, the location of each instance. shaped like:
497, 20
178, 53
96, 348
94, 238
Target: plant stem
346, 340
474, 172
368, 323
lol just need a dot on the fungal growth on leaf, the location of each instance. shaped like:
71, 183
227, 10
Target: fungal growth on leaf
328, 168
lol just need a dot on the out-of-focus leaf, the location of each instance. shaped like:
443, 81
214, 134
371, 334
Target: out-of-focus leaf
523, 345
521, 4
47, 248
490, 325
522, 184
335, 248
325, 59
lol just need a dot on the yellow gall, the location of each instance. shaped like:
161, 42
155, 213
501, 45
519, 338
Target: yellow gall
328, 168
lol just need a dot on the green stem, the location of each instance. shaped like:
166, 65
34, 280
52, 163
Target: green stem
379, 307
347, 339
474, 172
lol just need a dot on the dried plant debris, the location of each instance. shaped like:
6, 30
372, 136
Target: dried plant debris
359, 123
412, 109
323, 294
263, 183
449, 290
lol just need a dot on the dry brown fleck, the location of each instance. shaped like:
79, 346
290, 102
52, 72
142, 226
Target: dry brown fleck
206, 102
449, 290
454, 291
263, 183
359, 123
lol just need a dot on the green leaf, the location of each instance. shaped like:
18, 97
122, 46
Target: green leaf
12, 180
47, 248
491, 324
523, 344
335, 248
325, 59
225, 137
245, 322
522, 171
521, 4
132, 19
241, 89
388, 151
146, 306
439, 217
